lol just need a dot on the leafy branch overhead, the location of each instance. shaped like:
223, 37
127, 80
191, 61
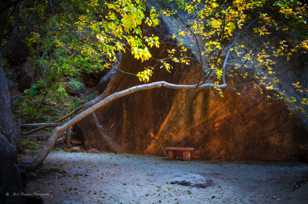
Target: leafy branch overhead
86, 36
229, 40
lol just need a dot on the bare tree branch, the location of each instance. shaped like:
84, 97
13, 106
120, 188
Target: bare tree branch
112, 145
106, 78
39, 125
224, 66
59, 130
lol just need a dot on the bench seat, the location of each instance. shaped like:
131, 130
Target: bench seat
183, 153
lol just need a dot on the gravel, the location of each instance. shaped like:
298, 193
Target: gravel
106, 178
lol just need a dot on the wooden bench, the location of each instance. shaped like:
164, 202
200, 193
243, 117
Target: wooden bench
184, 153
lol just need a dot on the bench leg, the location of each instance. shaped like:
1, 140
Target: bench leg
186, 155
171, 154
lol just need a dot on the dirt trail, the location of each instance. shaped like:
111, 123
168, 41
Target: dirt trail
82, 178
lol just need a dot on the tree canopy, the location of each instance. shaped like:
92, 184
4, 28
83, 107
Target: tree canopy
71, 37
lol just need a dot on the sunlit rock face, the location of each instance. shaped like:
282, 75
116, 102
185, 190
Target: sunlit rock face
242, 125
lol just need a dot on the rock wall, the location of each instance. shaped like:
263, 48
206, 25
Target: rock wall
242, 125
10, 178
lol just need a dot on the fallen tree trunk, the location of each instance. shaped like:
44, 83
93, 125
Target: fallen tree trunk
59, 130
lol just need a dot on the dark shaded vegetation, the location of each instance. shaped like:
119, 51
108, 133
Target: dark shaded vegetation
60, 58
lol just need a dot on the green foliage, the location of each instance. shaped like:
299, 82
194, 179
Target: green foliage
85, 37
81, 37
76, 85
42, 103
26, 144
277, 25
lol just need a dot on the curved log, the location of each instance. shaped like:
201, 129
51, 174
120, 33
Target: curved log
59, 130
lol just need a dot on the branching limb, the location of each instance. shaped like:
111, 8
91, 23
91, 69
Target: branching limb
59, 130
112, 145
106, 78
39, 124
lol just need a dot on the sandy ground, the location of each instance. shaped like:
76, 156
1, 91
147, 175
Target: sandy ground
75, 178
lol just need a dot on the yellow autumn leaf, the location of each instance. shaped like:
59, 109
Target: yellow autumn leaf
215, 23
